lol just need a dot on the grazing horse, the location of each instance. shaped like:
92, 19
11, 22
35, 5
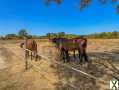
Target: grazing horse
30, 45
66, 45
63, 52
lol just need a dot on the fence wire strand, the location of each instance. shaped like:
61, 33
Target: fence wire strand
67, 66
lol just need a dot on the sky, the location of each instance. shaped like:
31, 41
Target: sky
39, 19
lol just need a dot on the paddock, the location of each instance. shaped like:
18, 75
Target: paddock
46, 73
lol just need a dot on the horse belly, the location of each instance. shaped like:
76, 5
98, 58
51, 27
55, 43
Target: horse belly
70, 46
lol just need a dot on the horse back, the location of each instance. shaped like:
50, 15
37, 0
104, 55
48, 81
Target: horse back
74, 43
31, 45
69, 44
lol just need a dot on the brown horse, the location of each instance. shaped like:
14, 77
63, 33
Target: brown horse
66, 45
81, 46
30, 45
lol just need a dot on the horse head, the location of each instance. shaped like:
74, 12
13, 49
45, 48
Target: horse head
21, 45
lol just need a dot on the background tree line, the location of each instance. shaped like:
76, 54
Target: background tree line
20, 35
61, 35
105, 35
23, 33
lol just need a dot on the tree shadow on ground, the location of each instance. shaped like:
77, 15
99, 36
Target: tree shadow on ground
97, 66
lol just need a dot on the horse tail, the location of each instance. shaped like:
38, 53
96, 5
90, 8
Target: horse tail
21, 45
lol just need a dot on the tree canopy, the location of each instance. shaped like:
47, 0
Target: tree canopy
23, 33
84, 3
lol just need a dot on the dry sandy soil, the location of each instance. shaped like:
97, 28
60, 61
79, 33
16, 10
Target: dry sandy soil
103, 63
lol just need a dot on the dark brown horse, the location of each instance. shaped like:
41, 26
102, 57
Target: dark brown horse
66, 45
30, 45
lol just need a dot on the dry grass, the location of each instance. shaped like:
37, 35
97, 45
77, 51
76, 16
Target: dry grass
103, 55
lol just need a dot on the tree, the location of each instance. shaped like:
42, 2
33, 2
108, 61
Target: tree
11, 36
23, 33
48, 35
51, 35
85, 3
61, 34
113, 34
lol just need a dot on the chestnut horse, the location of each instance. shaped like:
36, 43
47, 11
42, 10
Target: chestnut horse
30, 45
66, 45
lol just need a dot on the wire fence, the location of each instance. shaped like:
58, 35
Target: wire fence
58, 63
45, 72
63, 65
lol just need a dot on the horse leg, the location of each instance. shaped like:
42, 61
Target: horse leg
80, 55
74, 54
36, 56
31, 56
27, 53
67, 56
62, 54
85, 56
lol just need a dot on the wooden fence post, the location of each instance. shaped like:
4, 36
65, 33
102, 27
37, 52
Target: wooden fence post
26, 55
26, 61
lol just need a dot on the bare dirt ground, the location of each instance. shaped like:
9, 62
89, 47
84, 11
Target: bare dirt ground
14, 76
104, 64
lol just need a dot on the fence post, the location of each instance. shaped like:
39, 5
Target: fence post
26, 55
26, 61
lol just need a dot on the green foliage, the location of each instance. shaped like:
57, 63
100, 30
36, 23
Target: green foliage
61, 35
22, 33
105, 35
52, 35
11, 36
71, 36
